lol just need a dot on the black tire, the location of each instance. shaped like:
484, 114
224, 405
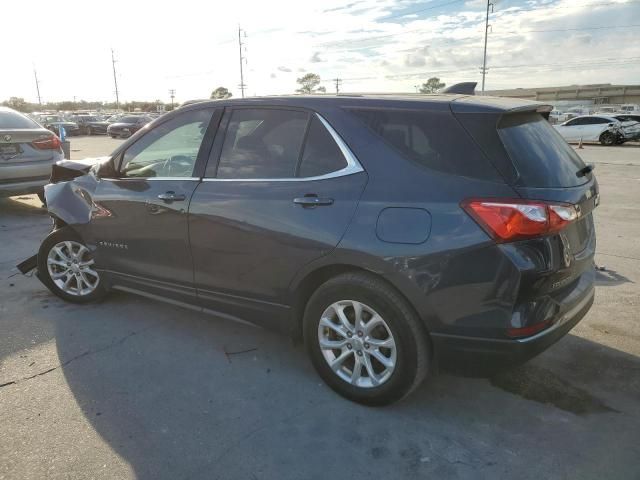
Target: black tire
608, 139
411, 338
114, 136
55, 237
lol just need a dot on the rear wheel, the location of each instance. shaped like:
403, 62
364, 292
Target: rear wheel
364, 340
66, 266
607, 138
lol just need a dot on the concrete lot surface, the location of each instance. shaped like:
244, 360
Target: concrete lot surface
131, 388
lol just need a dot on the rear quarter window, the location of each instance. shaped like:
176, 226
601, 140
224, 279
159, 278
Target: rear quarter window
541, 156
11, 120
434, 140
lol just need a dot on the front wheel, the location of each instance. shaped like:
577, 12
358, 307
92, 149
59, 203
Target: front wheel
608, 139
365, 340
67, 268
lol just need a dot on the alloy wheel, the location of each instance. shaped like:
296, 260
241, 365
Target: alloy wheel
357, 344
69, 265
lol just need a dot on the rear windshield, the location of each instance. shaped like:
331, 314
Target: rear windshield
432, 139
541, 156
9, 119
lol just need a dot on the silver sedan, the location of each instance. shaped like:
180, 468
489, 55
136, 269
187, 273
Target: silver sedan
27, 152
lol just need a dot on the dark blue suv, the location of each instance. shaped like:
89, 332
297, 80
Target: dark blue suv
391, 233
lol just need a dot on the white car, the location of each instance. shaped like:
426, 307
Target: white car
592, 128
574, 112
556, 116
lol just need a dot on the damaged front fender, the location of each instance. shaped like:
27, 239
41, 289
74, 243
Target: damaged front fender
69, 195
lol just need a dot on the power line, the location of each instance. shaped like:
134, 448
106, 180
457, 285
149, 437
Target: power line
548, 6
115, 80
601, 27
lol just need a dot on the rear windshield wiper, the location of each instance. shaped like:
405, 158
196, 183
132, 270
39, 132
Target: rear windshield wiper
587, 169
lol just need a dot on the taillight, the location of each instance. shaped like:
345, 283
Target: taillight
47, 143
511, 220
528, 331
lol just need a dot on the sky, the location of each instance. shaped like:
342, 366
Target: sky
371, 45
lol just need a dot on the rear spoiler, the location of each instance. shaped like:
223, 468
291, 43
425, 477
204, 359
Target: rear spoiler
463, 88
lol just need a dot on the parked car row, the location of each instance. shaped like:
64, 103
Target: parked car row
125, 125
608, 130
558, 116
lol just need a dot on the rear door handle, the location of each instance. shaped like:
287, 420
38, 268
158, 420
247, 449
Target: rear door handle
171, 197
312, 201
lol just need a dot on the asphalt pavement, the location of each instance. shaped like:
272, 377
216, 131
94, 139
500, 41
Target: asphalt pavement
132, 388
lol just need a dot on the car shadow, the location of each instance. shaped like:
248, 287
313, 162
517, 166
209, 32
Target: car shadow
20, 218
179, 394
605, 277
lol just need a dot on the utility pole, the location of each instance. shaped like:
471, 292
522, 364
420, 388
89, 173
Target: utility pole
486, 34
338, 83
115, 80
35, 74
172, 94
242, 59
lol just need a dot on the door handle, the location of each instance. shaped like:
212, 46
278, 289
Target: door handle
312, 201
171, 197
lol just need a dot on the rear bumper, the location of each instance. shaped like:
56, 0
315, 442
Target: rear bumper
23, 186
462, 351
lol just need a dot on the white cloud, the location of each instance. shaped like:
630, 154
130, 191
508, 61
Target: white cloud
182, 49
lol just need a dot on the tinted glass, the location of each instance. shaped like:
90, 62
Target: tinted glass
262, 143
541, 156
576, 121
432, 139
9, 119
170, 149
128, 119
321, 154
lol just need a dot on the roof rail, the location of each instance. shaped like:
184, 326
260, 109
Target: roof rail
464, 88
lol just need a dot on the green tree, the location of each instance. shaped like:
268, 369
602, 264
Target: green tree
433, 85
17, 103
309, 84
221, 93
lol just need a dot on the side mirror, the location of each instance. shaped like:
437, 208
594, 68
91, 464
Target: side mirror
106, 169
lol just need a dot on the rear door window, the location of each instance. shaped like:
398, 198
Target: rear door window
541, 156
262, 143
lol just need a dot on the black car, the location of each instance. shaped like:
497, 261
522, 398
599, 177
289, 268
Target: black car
127, 125
90, 124
391, 233
55, 122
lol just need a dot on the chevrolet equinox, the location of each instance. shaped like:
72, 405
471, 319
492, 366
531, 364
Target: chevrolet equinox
390, 233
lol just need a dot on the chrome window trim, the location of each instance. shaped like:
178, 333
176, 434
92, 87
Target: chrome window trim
353, 165
153, 178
